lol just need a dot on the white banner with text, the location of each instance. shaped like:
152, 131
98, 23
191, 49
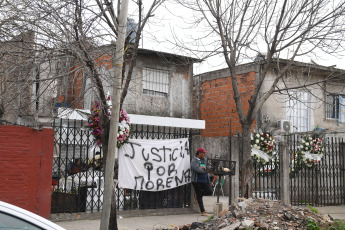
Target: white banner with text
154, 165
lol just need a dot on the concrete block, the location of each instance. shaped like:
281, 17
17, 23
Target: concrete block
217, 208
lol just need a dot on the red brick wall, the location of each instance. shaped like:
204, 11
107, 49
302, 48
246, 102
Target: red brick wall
26, 161
217, 104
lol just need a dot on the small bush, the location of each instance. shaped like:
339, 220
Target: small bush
338, 225
312, 225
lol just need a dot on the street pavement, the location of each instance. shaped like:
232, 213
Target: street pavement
337, 212
170, 221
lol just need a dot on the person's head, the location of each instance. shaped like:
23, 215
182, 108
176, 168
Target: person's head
200, 153
77, 161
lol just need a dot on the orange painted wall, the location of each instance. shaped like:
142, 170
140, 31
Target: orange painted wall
217, 104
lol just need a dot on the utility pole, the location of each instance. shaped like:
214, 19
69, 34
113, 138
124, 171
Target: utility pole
114, 120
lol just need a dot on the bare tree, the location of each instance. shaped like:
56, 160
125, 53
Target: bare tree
69, 42
275, 28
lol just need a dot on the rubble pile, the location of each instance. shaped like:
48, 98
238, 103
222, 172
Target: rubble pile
263, 214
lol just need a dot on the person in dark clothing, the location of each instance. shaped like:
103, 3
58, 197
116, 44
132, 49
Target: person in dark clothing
200, 179
75, 167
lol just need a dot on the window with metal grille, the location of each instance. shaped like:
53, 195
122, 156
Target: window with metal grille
332, 106
297, 108
156, 82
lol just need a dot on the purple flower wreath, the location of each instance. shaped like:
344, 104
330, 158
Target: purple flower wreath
124, 130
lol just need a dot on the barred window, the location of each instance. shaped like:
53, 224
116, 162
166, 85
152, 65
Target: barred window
156, 82
332, 106
297, 110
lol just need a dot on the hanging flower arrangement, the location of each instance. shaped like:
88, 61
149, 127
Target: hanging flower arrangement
311, 150
124, 128
309, 153
124, 131
94, 123
263, 148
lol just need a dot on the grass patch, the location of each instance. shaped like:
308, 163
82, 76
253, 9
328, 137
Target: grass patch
314, 210
208, 219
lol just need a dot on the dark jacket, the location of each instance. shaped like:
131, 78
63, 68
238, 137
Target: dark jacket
195, 168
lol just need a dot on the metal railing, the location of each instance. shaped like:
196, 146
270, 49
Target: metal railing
77, 183
322, 184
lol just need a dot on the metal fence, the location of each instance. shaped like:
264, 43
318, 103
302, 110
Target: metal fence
322, 184
266, 179
77, 184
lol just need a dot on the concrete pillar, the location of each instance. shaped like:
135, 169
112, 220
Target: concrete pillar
284, 172
235, 180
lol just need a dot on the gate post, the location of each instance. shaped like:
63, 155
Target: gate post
284, 172
235, 180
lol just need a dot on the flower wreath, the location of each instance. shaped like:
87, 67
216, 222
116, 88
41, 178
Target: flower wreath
309, 153
124, 129
263, 147
311, 150
94, 123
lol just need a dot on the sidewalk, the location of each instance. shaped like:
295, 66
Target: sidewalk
149, 222
337, 212
154, 222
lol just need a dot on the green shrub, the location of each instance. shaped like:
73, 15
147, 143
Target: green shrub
338, 225
312, 225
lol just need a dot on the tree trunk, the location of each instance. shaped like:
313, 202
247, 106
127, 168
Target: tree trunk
113, 219
246, 170
105, 140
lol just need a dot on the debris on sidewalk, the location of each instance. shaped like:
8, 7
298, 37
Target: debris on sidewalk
261, 214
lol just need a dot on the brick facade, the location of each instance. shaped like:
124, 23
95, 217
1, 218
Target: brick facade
26, 158
217, 104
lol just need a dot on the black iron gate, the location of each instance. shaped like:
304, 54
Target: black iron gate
77, 183
266, 178
322, 184
266, 181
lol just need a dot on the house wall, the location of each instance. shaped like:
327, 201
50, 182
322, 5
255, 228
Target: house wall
178, 103
274, 109
76, 91
338, 88
26, 158
213, 102
216, 101
223, 148
16, 72
213, 97
46, 91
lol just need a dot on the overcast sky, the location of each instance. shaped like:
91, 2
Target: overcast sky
170, 23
